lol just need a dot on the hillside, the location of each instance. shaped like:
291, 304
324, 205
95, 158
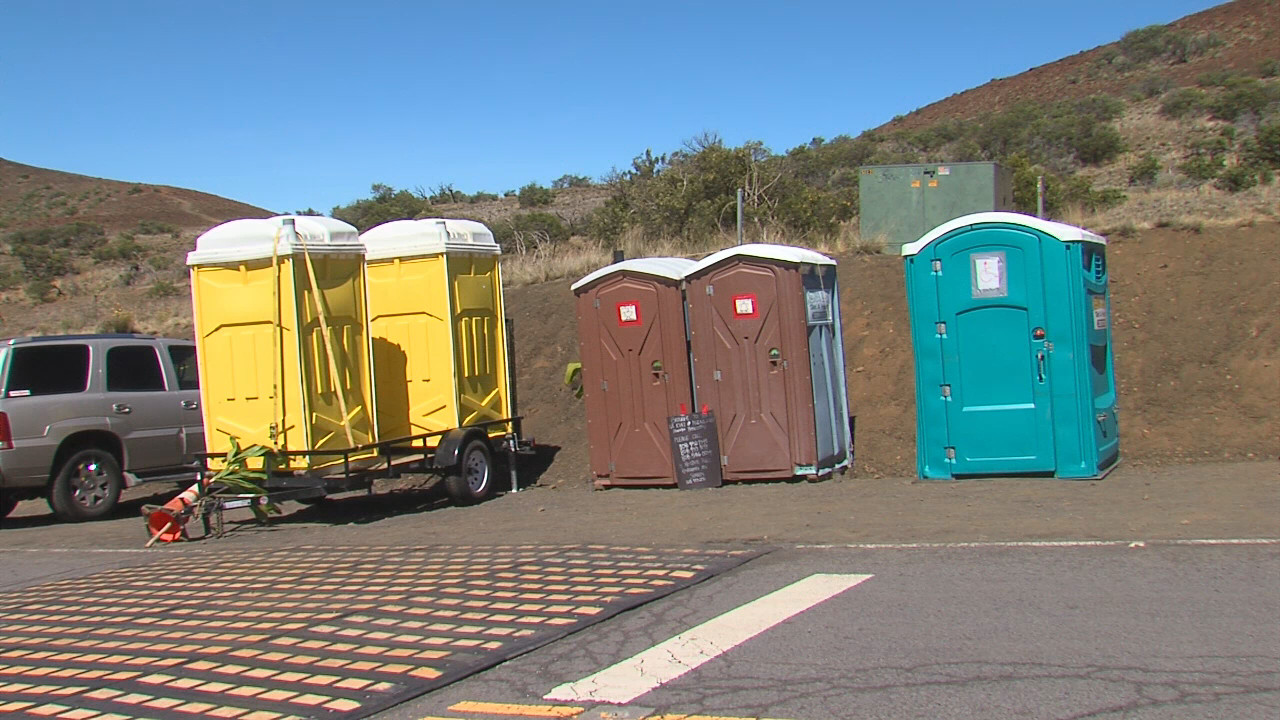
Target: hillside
36, 197
1194, 266
1249, 31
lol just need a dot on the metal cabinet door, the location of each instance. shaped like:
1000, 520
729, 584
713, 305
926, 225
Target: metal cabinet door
995, 352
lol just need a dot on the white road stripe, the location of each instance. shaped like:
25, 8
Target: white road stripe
1037, 544
668, 660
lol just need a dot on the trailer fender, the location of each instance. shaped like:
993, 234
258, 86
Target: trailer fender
450, 447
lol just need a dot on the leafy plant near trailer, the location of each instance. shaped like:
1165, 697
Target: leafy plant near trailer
238, 477
573, 378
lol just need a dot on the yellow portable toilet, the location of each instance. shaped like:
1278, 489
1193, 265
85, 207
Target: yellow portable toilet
280, 337
436, 327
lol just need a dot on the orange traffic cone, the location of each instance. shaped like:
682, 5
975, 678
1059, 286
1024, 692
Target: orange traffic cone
166, 523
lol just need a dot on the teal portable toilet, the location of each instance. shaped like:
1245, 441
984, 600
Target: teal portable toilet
1012, 338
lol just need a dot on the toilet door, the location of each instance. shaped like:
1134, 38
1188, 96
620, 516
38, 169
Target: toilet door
995, 352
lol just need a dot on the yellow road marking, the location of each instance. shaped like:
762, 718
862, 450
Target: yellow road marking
542, 711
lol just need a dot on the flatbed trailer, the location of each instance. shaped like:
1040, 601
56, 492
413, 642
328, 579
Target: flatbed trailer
463, 457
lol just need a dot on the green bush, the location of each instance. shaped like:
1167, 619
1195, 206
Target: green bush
1144, 172
150, 227
1265, 148
1151, 86
40, 290
571, 181
534, 195
1161, 42
1237, 178
384, 204
163, 289
1269, 68
1240, 97
119, 322
1183, 102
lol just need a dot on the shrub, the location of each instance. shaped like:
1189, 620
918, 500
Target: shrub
151, 227
163, 289
534, 195
1145, 170
480, 197
1202, 167
40, 290
1265, 149
134, 190
1183, 102
571, 181
1269, 68
534, 230
1242, 96
1237, 178
1151, 86
119, 322
1161, 42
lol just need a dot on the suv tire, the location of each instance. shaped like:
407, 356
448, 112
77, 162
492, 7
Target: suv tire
87, 486
7, 504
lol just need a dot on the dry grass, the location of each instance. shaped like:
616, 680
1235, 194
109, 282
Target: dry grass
581, 256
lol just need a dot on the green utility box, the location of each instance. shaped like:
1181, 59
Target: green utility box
900, 203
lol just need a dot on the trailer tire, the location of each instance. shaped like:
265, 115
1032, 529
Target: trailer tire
470, 481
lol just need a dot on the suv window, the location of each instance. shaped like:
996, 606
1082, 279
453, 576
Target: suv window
48, 370
134, 368
184, 363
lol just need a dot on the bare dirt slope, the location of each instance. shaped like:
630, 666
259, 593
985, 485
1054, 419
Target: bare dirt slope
1196, 327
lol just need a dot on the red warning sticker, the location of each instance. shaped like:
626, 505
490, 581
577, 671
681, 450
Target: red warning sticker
744, 306
628, 313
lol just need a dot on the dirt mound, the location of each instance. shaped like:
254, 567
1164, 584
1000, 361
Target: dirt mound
1197, 352
1249, 30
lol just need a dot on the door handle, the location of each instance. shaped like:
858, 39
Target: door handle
122, 408
1040, 366
190, 404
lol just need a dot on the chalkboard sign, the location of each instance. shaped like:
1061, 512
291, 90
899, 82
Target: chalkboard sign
695, 450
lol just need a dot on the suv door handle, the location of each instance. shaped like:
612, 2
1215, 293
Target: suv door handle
190, 404
122, 408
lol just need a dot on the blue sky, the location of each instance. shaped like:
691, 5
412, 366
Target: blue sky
290, 104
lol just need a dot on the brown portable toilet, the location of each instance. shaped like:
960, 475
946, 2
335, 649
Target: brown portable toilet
635, 367
768, 360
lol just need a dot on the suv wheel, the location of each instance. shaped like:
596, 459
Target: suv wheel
87, 486
7, 504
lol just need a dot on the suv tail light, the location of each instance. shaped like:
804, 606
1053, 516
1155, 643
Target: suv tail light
6, 435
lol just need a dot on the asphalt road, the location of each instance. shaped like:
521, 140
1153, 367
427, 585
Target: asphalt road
1154, 631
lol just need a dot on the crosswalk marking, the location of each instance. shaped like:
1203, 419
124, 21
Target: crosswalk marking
668, 660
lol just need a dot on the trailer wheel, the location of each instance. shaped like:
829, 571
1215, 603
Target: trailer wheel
471, 480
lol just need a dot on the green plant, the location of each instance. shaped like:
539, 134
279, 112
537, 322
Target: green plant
1237, 178
1151, 86
237, 476
1183, 102
1242, 96
1265, 148
534, 195
134, 190
1144, 172
573, 378
119, 322
1269, 68
163, 289
40, 290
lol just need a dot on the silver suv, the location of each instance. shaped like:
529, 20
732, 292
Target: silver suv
84, 416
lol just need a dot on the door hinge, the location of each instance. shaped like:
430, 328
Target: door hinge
596, 302
716, 376
724, 460
711, 289
951, 453
942, 329
604, 385
612, 468
937, 266
946, 391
